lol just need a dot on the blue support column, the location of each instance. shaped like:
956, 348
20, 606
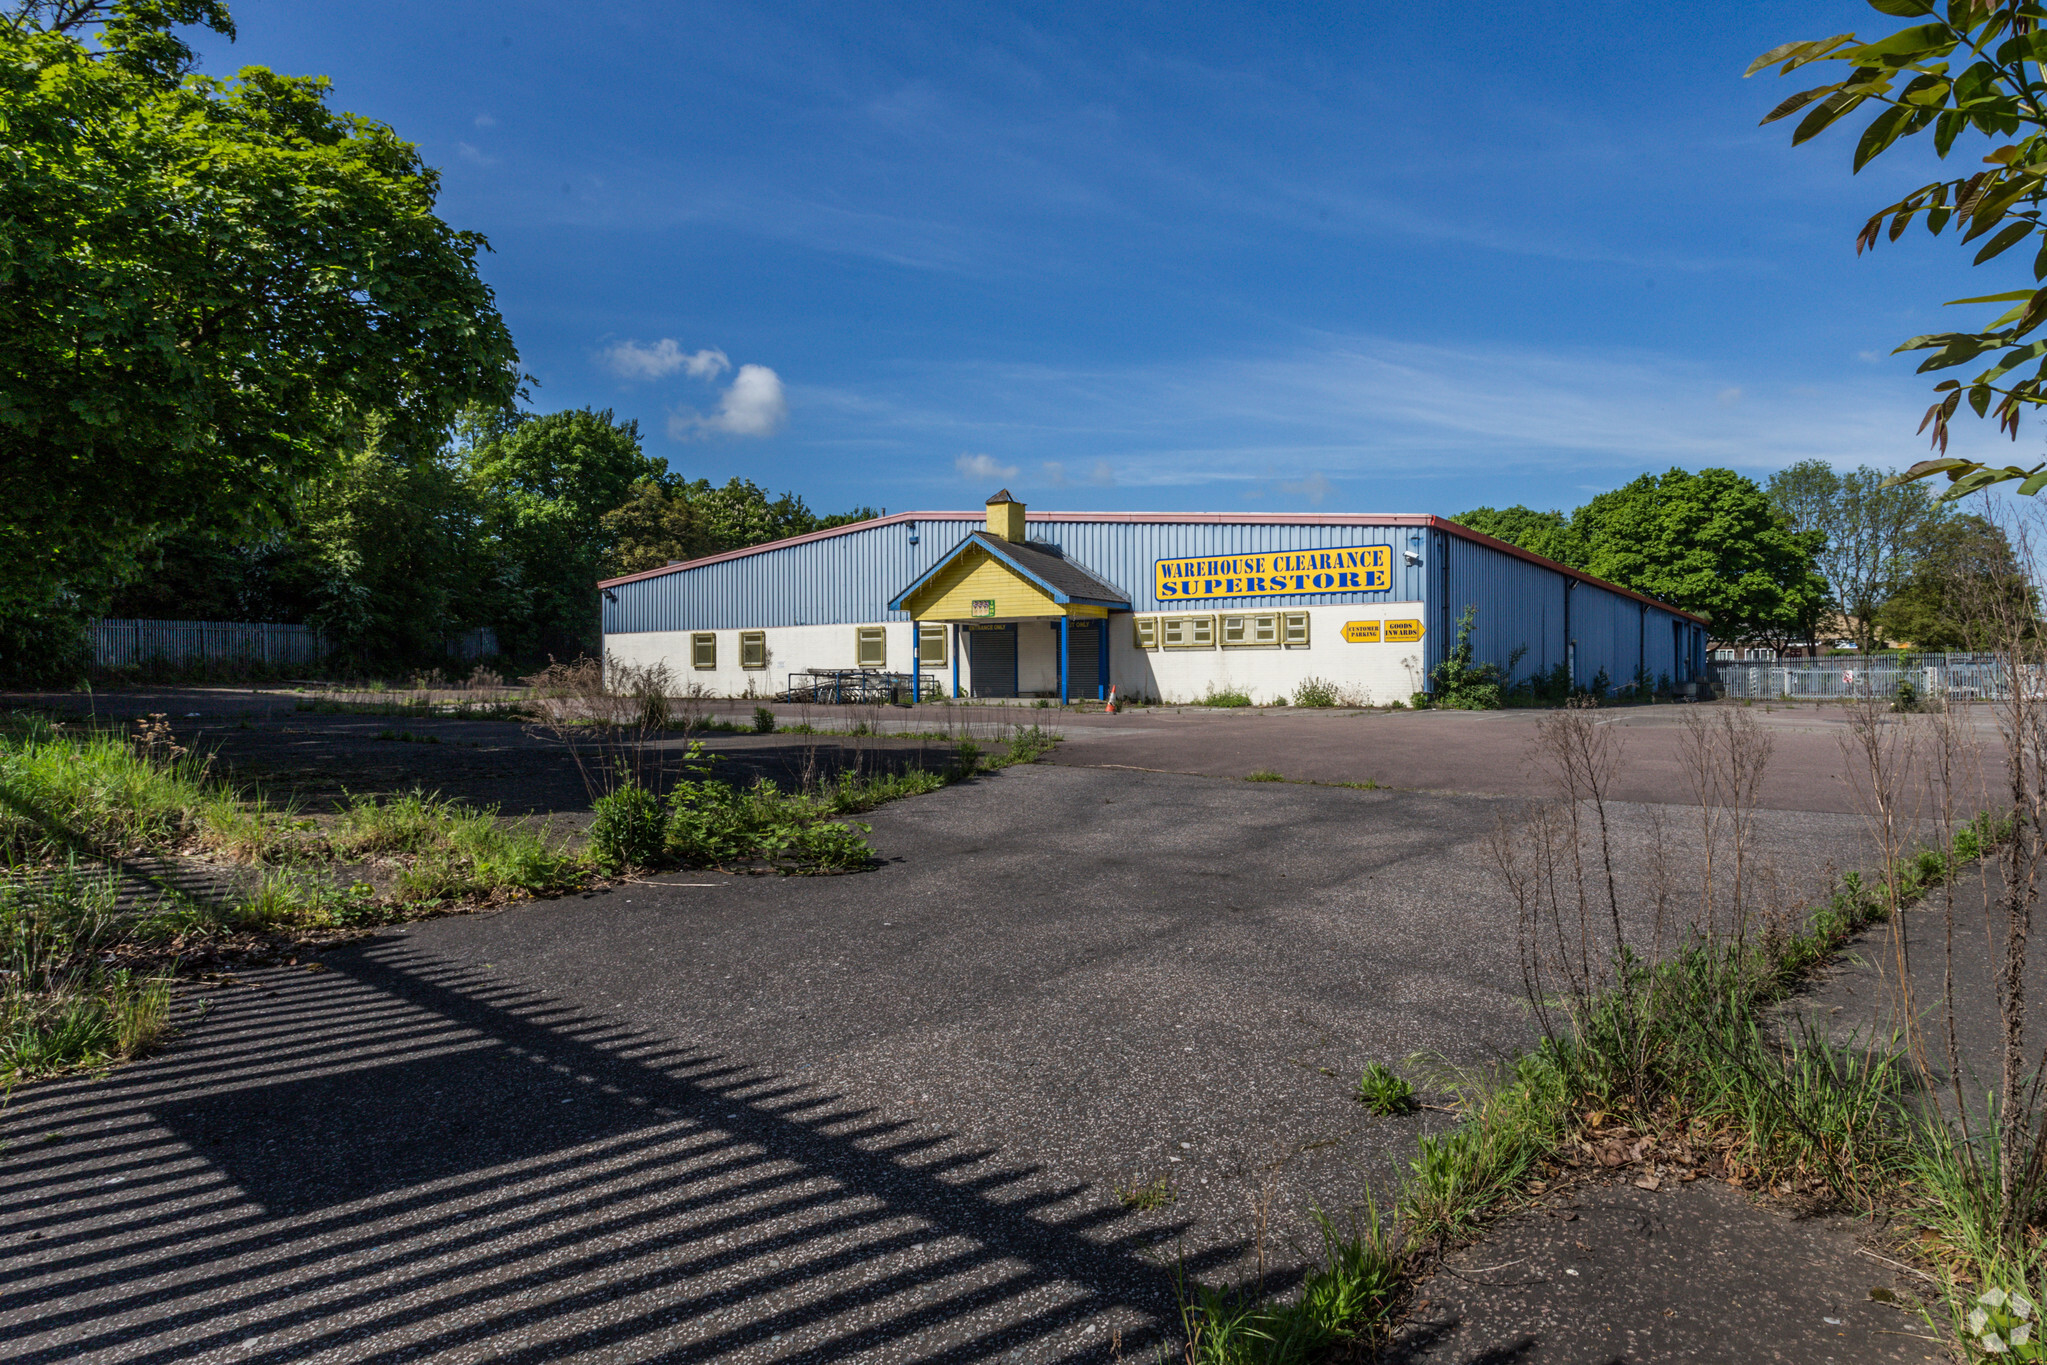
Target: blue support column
1064, 658
1102, 661
955, 629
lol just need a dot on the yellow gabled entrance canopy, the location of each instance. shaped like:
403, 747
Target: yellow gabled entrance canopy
986, 577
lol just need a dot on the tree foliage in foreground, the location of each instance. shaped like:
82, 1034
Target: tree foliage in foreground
1968, 69
207, 287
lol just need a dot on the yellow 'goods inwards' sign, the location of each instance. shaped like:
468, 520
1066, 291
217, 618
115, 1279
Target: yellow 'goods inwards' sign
1403, 632
1361, 632
1365, 569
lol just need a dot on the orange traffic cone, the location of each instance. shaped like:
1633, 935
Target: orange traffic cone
1111, 707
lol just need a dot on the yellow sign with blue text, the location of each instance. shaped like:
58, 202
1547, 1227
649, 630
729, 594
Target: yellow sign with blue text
1367, 568
1403, 632
1378, 632
1361, 632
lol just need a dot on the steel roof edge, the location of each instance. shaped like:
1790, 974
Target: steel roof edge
1191, 518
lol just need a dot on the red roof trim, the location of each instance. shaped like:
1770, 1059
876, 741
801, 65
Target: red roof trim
1189, 518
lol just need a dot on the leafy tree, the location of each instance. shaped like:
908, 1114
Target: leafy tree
544, 488
206, 286
1709, 543
1868, 528
2000, 93
668, 520
1960, 566
655, 525
1548, 534
385, 552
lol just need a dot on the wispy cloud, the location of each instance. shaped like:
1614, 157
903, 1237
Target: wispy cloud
631, 360
1314, 488
1347, 408
983, 467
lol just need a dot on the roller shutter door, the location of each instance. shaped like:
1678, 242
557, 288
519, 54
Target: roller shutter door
1083, 659
991, 655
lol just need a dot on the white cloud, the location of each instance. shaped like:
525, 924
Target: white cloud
474, 154
1314, 488
1102, 475
631, 360
986, 467
753, 405
1728, 397
486, 121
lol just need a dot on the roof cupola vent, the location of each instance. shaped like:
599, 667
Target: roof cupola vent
1006, 517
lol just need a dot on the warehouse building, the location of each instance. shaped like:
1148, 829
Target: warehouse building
1172, 606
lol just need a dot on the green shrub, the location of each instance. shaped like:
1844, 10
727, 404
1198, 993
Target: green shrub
1028, 745
1383, 1092
763, 721
1462, 684
627, 831
1319, 692
1228, 696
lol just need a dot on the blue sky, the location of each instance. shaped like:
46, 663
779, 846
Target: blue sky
1172, 256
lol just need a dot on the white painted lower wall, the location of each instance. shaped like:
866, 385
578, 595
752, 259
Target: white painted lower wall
1363, 674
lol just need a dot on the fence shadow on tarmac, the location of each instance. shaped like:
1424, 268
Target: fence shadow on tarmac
395, 1158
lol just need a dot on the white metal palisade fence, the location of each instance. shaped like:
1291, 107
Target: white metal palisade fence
1840, 677
180, 644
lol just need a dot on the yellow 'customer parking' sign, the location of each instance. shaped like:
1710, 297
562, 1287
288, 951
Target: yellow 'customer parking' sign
1377, 632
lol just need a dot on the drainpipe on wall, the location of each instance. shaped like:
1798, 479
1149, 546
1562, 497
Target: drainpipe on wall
1570, 645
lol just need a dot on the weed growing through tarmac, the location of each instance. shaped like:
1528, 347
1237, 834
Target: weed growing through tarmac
1158, 1194
1226, 697
1263, 775
763, 721
1383, 1092
62, 1008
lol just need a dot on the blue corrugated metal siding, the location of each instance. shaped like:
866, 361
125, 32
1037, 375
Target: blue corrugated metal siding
1520, 603
848, 578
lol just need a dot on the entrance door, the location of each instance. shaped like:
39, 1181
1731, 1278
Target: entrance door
1083, 659
991, 652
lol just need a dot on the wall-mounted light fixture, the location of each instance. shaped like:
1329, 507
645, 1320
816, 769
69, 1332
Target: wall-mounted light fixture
1414, 551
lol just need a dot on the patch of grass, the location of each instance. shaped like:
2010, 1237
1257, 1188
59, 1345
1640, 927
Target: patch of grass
1385, 1093
1343, 1303
61, 1008
1158, 1194
1264, 775
1227, 696
67, 790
